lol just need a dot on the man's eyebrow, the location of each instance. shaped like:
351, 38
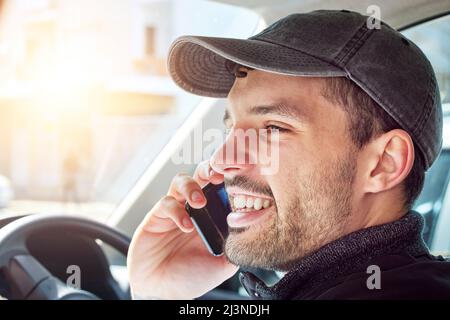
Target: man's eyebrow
280, 109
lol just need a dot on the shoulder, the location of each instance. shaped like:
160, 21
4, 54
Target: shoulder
397, 277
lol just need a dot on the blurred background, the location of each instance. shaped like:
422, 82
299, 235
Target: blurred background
85, 99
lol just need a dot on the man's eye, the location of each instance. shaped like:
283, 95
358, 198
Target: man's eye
272, 127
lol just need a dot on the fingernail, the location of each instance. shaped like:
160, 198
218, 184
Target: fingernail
187, 223
211, 172
196, 196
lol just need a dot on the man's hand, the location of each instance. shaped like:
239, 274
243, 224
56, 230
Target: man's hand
167, 258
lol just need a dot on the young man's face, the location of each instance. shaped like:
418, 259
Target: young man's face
309, 198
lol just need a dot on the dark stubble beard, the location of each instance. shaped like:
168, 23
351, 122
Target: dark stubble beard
316, 214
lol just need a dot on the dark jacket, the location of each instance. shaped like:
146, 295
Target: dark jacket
340, 269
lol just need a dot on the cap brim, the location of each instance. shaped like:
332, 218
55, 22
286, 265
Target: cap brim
198, 64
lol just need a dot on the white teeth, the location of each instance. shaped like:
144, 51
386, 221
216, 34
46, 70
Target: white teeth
258, 204
249, 203
243, 202
240, 201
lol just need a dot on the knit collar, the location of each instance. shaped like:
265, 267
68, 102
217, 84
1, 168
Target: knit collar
343, 256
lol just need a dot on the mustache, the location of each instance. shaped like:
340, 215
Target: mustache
248, 184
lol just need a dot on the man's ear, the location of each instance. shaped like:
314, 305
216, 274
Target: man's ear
390, 159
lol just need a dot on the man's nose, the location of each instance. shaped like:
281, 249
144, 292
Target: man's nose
234, 156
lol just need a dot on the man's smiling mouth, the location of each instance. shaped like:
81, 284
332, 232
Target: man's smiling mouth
247, 209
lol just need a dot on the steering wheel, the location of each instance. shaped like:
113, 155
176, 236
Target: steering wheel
26, 277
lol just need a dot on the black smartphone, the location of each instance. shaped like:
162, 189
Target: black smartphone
211, 220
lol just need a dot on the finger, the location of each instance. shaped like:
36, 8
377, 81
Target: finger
167, 210
202, 173
215, 177
184, 188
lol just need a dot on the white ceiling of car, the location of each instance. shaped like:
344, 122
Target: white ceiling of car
396, 13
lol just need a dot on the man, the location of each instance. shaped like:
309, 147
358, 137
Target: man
359, 121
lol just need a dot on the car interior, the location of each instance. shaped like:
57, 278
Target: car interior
80, 170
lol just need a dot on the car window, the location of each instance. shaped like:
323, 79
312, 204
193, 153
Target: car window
86, 103
434, 39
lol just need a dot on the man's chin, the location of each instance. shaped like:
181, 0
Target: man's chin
247, 246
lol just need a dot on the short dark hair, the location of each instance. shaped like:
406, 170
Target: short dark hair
367, 120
